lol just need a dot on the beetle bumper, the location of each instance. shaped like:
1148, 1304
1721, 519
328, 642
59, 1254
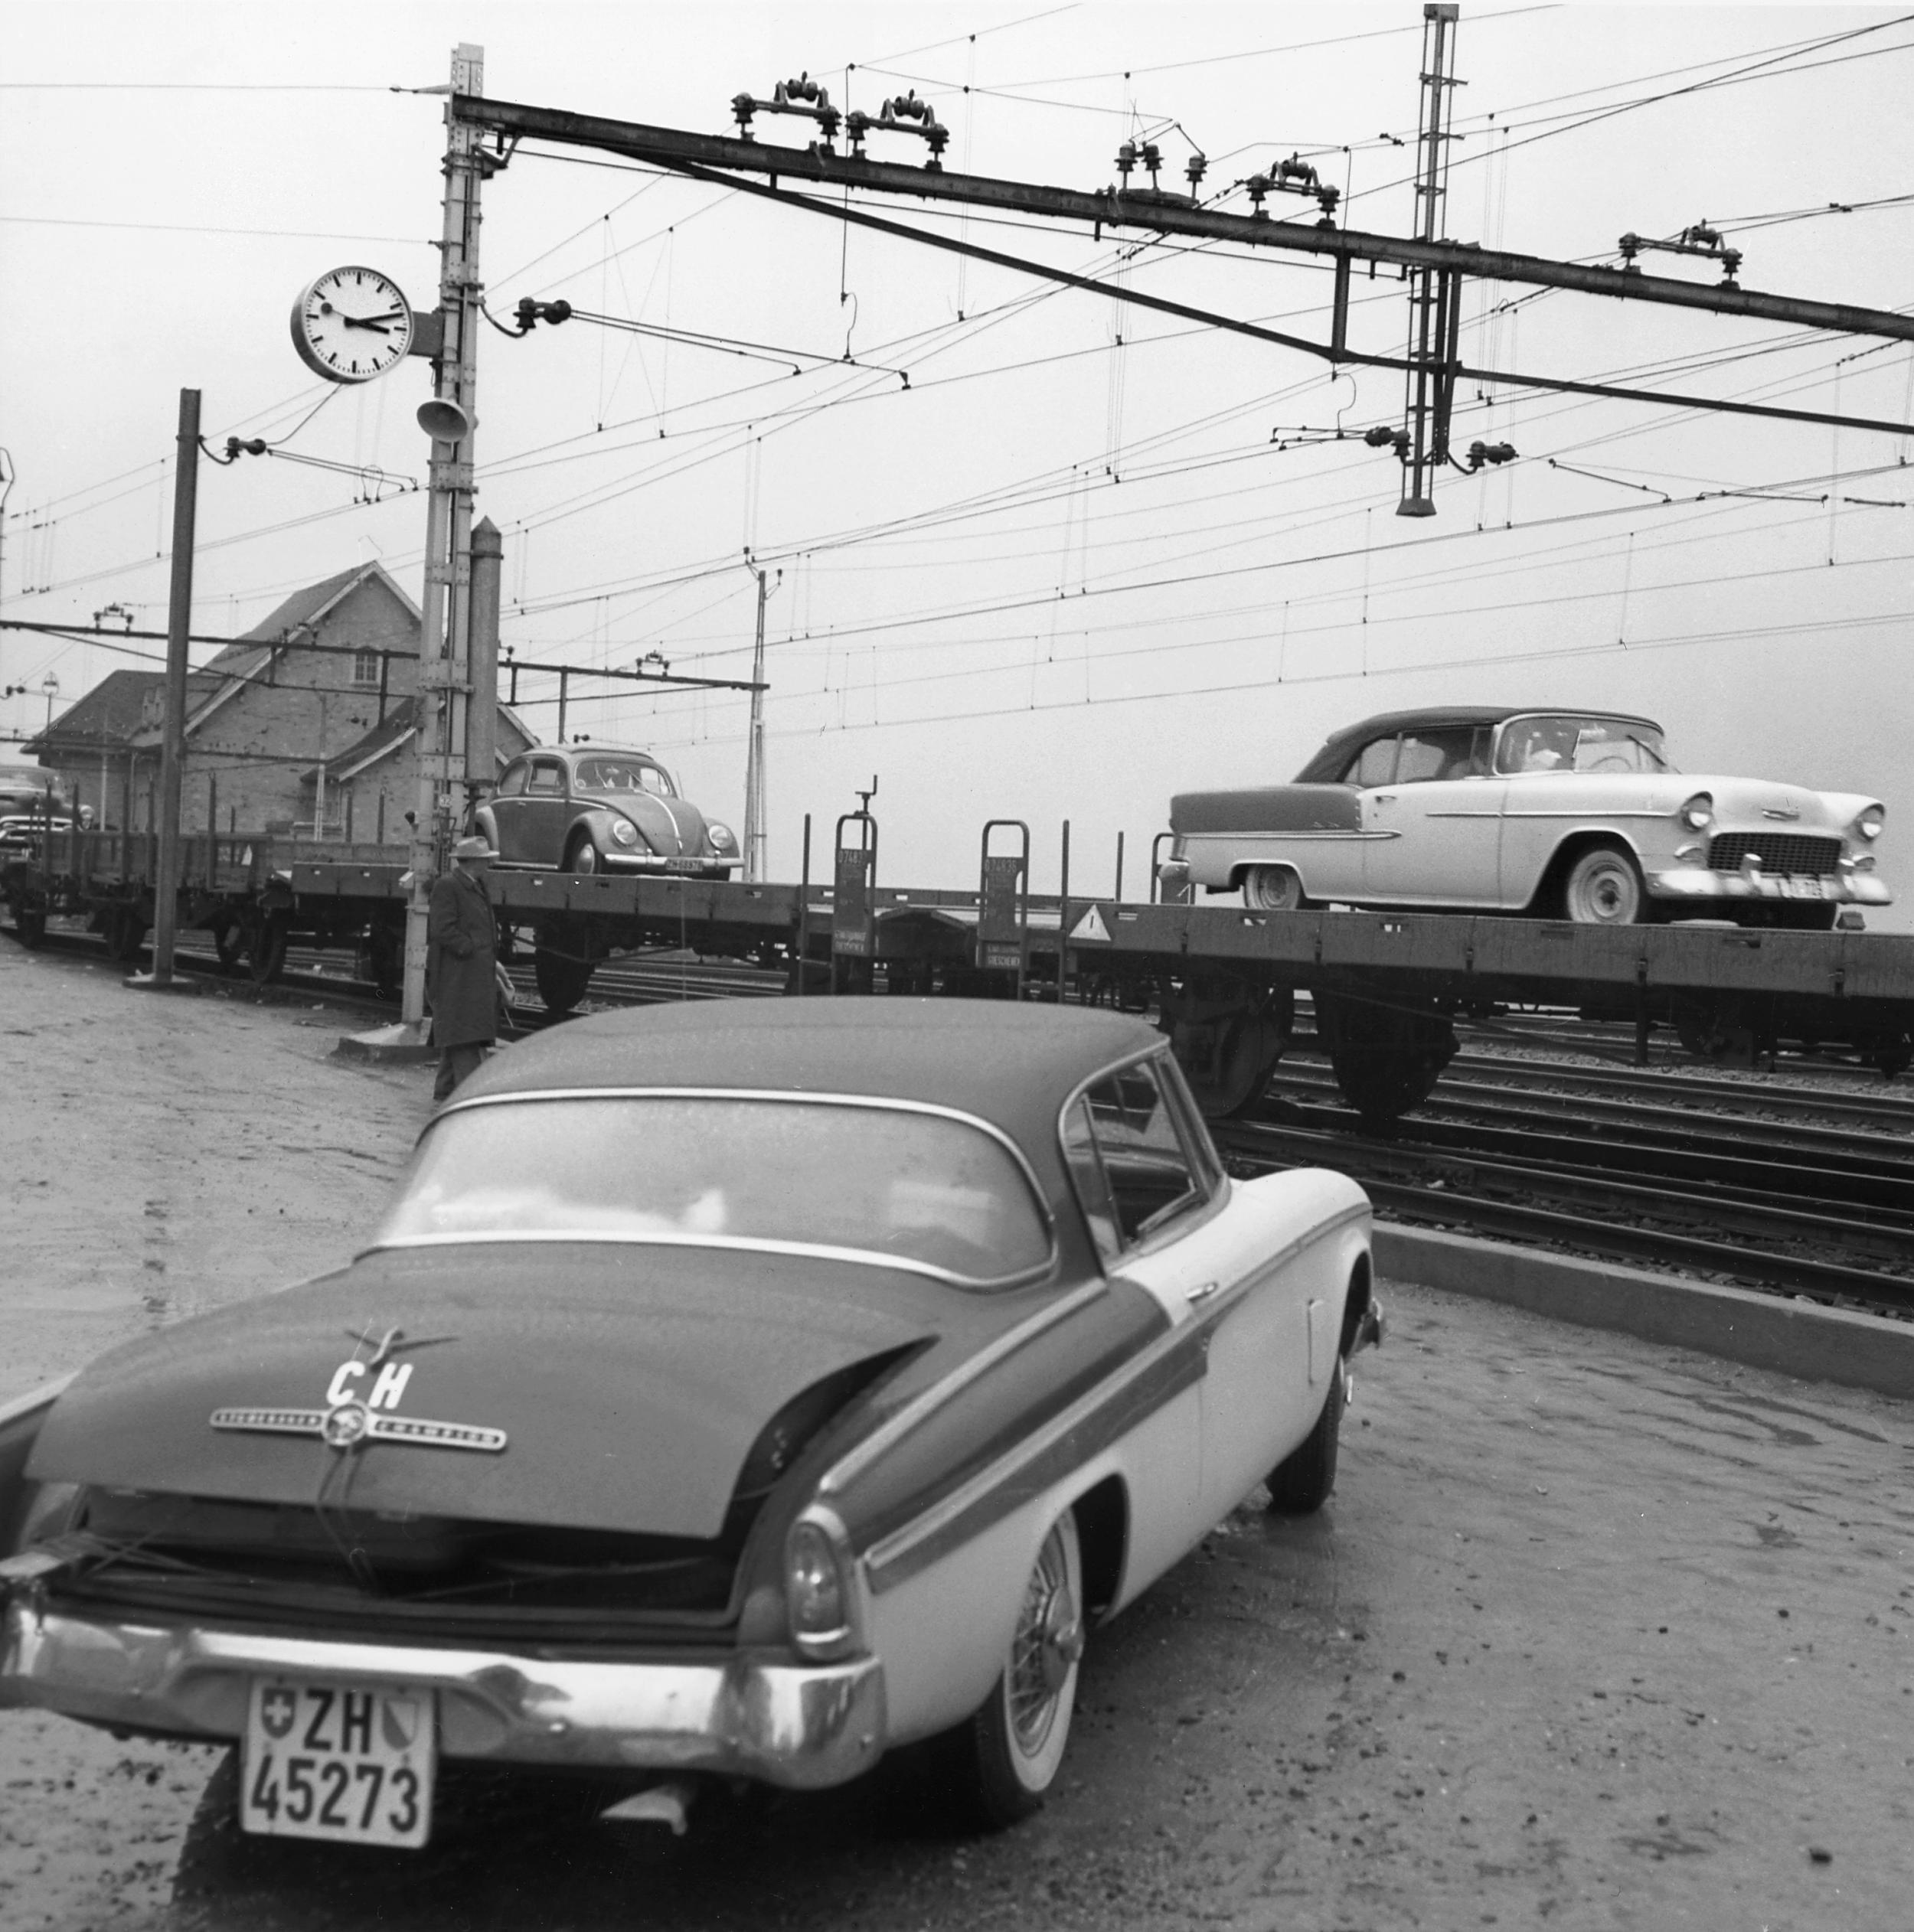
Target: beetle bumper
801, 1726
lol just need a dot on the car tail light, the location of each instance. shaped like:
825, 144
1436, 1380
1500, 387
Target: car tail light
1698, 813
1868, 823
818, 1586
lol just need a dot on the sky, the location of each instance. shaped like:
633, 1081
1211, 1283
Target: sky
1034, 555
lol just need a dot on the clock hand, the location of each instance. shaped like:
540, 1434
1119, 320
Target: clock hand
353, 321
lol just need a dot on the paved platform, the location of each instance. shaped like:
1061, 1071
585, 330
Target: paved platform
1595, 1631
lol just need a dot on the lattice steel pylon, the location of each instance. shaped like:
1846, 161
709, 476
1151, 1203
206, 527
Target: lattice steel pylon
1435, 301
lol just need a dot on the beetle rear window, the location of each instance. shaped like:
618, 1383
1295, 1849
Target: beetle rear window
923, 1189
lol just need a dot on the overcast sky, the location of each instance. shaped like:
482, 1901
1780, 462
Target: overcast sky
1072, 567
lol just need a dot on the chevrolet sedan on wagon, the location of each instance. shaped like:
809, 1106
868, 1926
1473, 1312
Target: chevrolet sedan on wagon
923, 1336
1579, 815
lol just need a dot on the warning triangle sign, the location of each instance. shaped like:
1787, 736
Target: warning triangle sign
1091, 926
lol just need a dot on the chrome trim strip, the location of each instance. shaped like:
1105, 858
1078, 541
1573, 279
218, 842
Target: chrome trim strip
802, 1726
894, 1549
881, 1440
44, 1397
885, 1556
741, 1243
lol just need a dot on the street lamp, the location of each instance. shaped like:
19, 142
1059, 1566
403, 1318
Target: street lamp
51, 685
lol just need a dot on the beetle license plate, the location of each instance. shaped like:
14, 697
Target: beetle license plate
349, 1762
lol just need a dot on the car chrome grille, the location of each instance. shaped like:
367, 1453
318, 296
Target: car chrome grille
1793, 852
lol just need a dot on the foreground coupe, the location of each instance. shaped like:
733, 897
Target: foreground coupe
1561, 814
746, 1390
601, 808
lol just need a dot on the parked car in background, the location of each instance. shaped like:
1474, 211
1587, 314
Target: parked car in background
743, 1392
601, 808
1561, 814
33, 802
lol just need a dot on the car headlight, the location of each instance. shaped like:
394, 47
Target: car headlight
817, 1589
624, 831
1868, 825
1698, 813
721, 837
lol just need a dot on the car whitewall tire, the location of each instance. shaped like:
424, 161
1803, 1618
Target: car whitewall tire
1272, 889
1603, 888
1015, 1743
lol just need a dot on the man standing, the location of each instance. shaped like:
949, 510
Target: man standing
461, 966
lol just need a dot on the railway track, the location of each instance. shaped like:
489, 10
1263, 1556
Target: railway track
1786, 1187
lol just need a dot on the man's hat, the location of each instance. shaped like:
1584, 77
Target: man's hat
473, 848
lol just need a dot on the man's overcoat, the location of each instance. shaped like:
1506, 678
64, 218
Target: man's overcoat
462, 954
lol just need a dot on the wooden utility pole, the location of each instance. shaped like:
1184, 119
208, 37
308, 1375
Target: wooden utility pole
179, 624
754, 872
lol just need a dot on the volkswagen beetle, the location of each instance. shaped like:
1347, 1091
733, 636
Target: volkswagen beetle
601, 808
1562, 814
924, 1335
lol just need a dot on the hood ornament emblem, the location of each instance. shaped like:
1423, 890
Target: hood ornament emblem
1789, 812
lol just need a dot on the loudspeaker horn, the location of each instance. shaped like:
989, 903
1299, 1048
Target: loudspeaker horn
444, 421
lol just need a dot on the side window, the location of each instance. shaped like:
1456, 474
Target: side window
1448, 753
1151, 1176
548, 779
1375, 764
513, 783
1093, 1185
1204, 1157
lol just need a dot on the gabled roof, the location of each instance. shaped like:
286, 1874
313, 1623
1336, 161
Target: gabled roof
303, 609
115, 712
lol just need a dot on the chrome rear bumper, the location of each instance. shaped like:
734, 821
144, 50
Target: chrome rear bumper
801, 1726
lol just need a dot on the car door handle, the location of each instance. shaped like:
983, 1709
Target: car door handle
1204, 1292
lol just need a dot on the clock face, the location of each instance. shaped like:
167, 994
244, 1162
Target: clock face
351, 325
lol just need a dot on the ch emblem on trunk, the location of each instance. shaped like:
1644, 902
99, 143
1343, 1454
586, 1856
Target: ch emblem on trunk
358, 1413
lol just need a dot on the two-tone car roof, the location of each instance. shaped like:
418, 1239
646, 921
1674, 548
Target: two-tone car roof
1012, 1066
1329, 764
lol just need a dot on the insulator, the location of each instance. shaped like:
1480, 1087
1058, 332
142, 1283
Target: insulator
1381, 437
1195, 170
1126, 158
1259, 186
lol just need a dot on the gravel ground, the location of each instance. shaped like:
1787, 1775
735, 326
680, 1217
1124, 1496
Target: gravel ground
1592, 1633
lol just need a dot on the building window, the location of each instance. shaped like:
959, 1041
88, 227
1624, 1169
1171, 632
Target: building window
365, 669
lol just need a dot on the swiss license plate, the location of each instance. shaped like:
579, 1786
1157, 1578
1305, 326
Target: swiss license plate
349, 1762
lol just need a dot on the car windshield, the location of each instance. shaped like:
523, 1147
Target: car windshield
873, 1182
621, 774
27, 777
1570, 741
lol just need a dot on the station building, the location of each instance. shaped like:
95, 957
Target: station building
307, 726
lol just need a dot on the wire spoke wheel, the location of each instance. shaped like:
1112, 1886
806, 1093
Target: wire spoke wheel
1014, 1748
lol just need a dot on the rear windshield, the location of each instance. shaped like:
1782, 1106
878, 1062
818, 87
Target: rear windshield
880, 1183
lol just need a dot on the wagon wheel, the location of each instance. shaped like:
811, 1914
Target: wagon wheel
563, 980
1386, 1059
30, 925
266, 937
1301, 1483
1008, 1756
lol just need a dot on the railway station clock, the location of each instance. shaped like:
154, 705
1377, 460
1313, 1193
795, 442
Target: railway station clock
351, 325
